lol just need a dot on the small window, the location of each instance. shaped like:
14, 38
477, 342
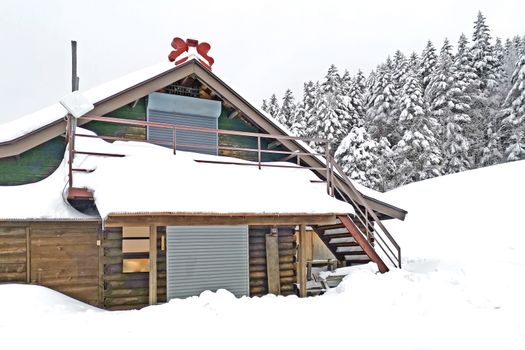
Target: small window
135, 265
135, 249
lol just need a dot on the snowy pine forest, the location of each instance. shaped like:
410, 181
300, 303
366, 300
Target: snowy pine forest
418, 116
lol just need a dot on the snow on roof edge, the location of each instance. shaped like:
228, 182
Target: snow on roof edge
41, 118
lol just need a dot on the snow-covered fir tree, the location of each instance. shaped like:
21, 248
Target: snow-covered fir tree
483, 54
464, 63
272, 108
357, 155
369, 83
288, 110
485, 105
417, 154
360, 80
305, 116
264, 106
400, 68
353, 101
332, 116
381, 102
513, 126
387, 167
413, 61
427, 64
449, 106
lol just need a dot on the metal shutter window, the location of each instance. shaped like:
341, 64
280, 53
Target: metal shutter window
203, 258
188, 111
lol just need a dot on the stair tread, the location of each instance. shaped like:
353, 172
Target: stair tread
339, 235
353, 254
344, 244
329, 227
345, 250
352, 263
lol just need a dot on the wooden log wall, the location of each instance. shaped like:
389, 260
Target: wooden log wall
257, 255
63, 256
122, 291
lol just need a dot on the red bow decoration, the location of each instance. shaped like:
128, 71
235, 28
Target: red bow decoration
182, 46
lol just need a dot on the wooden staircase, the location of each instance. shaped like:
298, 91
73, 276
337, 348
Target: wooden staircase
340, 242
358, 237
348, 244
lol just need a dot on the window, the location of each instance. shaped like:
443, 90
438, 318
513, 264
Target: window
135, 249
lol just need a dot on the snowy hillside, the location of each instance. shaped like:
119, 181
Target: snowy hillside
462, 287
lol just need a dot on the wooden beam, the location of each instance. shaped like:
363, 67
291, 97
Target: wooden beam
233, 114
152, 265
272, 262
28, 254
118, 220
274, 144
301, 263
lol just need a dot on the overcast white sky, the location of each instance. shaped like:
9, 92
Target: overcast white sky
259, 47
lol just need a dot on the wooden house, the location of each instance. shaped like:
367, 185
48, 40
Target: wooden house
101, 214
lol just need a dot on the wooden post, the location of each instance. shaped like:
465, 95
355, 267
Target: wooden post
100, 243
327, 158
28, 255
301, 263
152, 264
259, 151
272, 262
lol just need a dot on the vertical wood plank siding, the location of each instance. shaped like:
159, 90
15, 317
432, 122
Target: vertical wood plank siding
258, 269
63, 256
13, 254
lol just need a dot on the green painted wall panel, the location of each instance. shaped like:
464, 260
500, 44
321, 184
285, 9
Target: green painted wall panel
238, 124
119, 130
33, 165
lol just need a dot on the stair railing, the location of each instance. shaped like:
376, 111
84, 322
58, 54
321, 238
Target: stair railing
379, 232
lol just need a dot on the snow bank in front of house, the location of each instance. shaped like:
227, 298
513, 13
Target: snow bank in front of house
150, 179
439, 300
38, 301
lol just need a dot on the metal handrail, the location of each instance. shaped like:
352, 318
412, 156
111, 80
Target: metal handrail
329, 166
369, 211
259, 151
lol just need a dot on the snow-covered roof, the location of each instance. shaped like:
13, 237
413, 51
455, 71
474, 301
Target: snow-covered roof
43, 200
48, 115
150, 179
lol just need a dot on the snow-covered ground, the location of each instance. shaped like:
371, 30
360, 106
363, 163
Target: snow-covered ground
461, 287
